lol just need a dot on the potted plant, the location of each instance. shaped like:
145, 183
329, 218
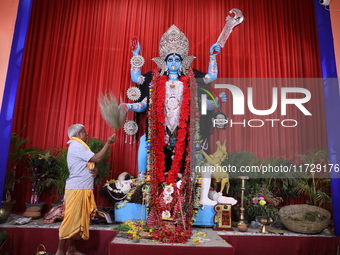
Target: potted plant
63, 174
282, 183
262, 202
316, 189
17, 154
43, 168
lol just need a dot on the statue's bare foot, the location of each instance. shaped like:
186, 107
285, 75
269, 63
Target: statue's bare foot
226, 200
207, 201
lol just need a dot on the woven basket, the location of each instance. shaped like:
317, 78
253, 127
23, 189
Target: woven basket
299, 211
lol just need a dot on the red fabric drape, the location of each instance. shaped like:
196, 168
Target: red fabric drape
78, 49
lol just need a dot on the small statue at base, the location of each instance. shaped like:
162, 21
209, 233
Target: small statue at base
125, 189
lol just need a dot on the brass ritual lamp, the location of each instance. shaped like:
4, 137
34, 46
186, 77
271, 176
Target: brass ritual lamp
242, 226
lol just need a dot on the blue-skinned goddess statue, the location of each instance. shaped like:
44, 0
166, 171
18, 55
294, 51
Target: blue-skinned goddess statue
170, 95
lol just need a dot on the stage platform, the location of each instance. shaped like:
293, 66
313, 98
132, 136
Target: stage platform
24, 239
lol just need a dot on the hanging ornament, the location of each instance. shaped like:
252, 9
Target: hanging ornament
130, 127
133, 93
137, 61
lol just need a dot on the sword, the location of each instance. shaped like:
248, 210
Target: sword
230, 24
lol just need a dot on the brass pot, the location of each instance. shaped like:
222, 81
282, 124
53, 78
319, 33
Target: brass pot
265, 221
5, 210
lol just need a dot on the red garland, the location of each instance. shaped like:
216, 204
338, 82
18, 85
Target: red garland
157, 121
181, 204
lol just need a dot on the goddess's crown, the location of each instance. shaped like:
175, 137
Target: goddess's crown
173, 41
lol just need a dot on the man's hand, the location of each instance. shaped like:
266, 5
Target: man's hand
111, 139
94, 172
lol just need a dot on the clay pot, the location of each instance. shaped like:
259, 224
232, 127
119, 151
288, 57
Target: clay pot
33, 212
242, 227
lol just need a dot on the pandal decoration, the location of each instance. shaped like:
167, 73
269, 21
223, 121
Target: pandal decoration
133, 93
137, 61
131, 127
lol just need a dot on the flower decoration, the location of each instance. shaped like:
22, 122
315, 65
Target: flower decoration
199, 237
166, 215
167, 199
168, 190
262, 202
131, 229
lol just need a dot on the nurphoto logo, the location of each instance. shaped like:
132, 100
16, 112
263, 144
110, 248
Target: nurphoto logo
238, 107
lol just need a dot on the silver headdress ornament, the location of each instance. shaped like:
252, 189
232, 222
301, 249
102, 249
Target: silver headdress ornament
173, 41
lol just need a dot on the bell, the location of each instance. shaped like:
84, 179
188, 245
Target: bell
41, 246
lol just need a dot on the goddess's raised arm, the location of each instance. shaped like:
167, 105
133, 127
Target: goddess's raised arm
212, 69
211, 76
137, 62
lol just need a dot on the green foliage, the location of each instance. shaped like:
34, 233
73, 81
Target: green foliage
63, 174
314, 156
315, 188
238, 159
281, 183
103, 166
44, 170
300, 183
3, 235
262, 202
122, 227
17, 154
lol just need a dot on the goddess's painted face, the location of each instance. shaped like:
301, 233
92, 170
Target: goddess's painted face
173, 62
